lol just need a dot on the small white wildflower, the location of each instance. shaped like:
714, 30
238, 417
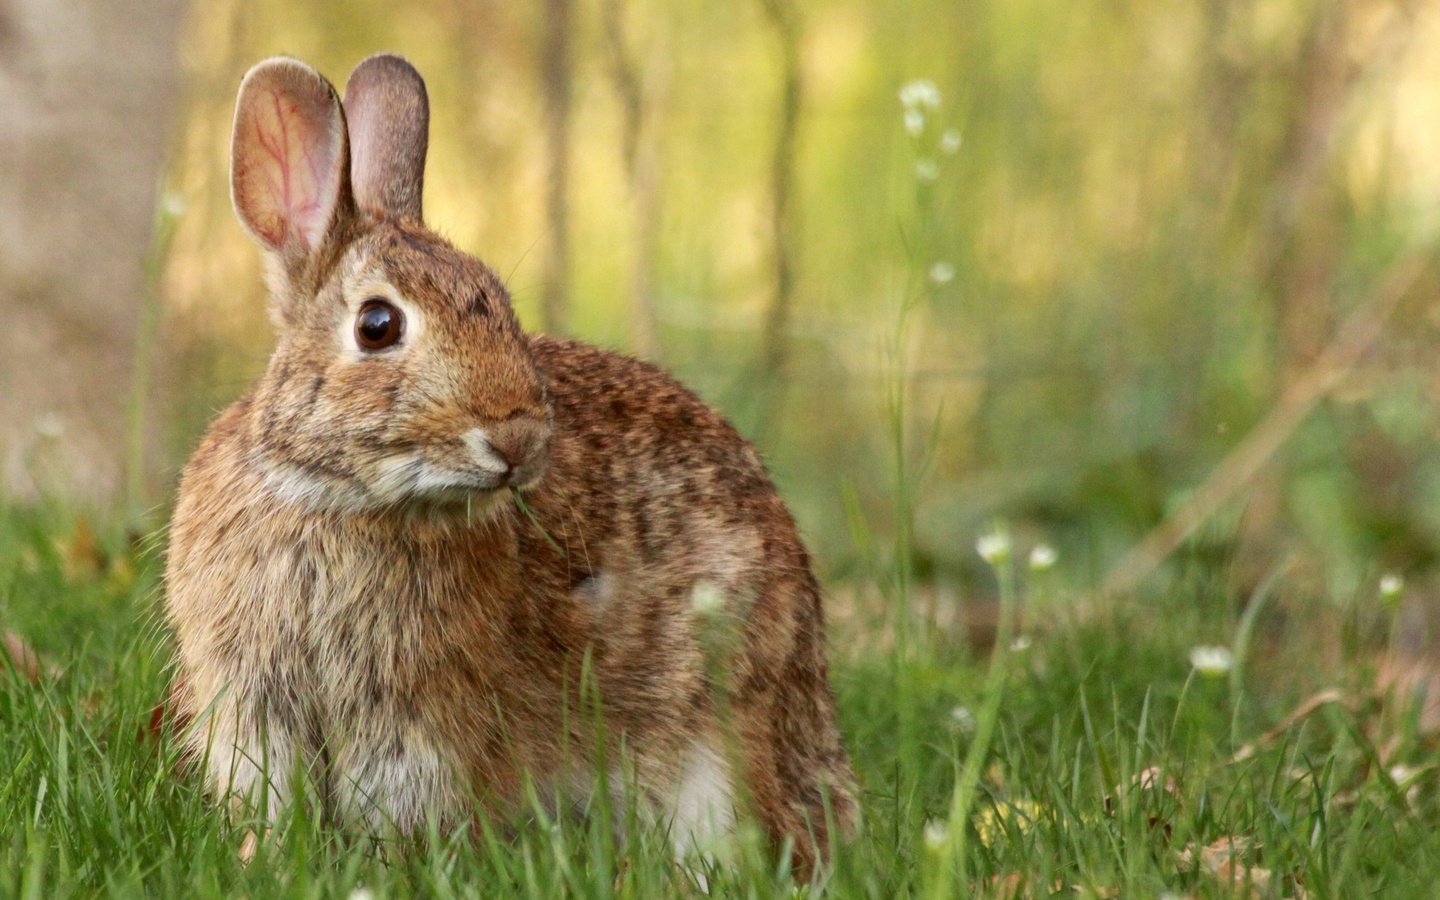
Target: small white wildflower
50, 426
362, 893
994, 547
942, 272
1042, 558
706, 598
950, 142
963, 719
937, 835
921, 92
927, 170
914, 121
1212, 661
1391, 586
1021, 643
173, 204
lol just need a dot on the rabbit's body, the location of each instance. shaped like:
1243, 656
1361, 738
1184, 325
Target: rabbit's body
356, 594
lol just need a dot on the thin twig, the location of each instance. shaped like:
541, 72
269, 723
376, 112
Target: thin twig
556, 76
785, 20
1359, 333
641, 173
1307, 707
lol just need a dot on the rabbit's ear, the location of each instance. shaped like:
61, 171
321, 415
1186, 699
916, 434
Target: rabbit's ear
389, 115
289, 157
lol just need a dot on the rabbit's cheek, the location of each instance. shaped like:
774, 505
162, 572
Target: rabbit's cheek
309, 487
394, 477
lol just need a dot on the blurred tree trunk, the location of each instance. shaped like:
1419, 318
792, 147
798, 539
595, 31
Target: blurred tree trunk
642, 173
87, 89
775, 347
556, 80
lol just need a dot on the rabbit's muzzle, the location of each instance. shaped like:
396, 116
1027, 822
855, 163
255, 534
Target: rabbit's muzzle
513, 450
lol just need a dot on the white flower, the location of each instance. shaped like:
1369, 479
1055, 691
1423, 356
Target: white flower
173, 204
937, 835
994, 547
1391, 587
950, 142
706, 598
50, 426
921, 92
914, 120
1021, 643
362, 893
1042, 558
963, 720
942, 272
927, 170
1212, 661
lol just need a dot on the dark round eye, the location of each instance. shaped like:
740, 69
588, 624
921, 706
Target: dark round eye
379, 324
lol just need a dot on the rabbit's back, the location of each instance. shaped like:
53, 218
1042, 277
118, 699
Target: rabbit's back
662, 519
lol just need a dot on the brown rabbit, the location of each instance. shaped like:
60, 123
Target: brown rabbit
396, 563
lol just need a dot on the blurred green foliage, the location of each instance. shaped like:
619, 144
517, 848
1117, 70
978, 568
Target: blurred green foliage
1121, 230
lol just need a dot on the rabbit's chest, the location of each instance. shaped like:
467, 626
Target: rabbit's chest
359, 683
374, 629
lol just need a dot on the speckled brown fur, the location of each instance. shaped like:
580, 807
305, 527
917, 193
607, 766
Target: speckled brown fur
416, 649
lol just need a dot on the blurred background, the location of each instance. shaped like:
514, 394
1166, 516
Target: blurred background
1153, 284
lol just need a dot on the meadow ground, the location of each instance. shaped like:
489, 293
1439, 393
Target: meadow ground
1088, 757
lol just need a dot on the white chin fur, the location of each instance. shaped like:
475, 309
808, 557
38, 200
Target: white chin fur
395, 481
409, 476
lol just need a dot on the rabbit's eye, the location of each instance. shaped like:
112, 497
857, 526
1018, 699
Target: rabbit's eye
379, 324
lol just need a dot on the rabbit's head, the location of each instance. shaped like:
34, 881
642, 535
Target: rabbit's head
401, 377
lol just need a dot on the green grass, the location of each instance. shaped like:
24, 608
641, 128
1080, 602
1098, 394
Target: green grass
89, 805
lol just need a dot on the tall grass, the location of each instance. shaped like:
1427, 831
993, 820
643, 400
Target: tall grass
1097, 760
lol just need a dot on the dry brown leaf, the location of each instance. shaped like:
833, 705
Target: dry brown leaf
1010, 886
1228, 860
22, 656
1152, 778
80, 552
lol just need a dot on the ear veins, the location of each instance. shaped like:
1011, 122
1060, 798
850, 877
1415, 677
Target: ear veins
286, 194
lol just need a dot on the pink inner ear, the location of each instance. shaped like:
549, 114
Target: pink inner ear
287, 152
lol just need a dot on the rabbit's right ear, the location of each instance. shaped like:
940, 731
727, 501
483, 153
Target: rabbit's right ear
388, 112
290, 159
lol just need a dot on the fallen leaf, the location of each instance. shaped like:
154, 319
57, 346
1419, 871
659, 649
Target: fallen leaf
1225, 860
79, 551
22, 656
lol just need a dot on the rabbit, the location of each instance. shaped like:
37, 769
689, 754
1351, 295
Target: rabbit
398, 560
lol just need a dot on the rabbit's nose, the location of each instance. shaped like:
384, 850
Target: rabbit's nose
519, 441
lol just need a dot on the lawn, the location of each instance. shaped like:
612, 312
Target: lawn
1104, 762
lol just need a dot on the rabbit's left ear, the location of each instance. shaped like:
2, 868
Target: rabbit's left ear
288, 178
388, 113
